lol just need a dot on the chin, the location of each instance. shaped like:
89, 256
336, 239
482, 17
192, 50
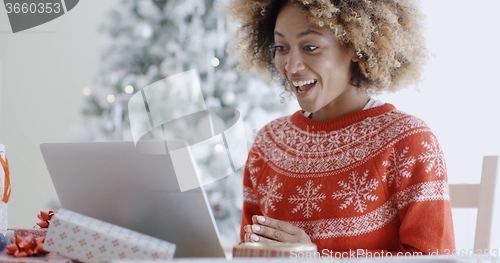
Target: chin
310, 104
307, 108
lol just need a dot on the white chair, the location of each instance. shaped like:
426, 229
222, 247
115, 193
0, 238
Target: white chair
480, 196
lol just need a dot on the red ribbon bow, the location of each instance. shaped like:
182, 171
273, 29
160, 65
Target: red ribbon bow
45, 217
5, 166
21, 247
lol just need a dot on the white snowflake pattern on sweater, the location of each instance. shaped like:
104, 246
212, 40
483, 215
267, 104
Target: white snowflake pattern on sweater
433, 157
270, 193
356, 191
399, 163
307, 200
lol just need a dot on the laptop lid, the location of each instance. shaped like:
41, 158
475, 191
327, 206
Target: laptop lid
114, 182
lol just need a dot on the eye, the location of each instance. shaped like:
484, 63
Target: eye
278, 48
310, 47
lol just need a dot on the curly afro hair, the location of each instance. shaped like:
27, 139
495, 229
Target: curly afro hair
385, 34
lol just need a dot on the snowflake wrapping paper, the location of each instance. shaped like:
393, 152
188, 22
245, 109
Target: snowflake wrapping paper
90, 240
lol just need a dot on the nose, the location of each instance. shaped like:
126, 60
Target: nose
294, 62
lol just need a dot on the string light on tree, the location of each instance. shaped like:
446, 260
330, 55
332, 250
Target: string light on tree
87, 92
111, 98
129, 89
215, 61
219, 147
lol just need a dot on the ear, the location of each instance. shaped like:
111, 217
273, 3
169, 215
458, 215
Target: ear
354, 57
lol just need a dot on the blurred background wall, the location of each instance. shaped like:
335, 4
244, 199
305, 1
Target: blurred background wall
44, 70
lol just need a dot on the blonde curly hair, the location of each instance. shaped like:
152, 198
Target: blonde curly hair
385, 34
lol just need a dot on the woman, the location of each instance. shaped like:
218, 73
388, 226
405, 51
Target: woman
347, 172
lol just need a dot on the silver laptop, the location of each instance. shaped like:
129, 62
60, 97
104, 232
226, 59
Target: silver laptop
116, 183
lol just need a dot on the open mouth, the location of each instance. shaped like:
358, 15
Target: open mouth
303, 86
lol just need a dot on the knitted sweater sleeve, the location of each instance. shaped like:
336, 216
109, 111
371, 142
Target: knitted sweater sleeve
422, 195
253, 169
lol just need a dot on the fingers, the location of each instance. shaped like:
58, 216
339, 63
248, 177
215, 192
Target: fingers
260, 233
274, 229
276, 224
271, 233
250, 237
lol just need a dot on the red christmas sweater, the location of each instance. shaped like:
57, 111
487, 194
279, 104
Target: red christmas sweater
373, 180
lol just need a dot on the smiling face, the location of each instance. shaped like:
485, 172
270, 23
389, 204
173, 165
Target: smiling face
317, 66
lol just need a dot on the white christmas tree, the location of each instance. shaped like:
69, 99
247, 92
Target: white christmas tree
148, 40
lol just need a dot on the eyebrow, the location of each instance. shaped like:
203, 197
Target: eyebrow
303, 34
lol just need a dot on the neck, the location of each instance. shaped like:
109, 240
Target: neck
345, 104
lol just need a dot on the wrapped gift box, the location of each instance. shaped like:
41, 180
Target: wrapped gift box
49, 258
87, 239
24, 232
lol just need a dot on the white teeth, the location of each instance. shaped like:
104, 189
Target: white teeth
299, 90
302, 83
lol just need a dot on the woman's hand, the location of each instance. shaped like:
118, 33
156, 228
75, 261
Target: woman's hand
265, 229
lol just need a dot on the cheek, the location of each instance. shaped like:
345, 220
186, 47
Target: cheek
280, 64
334, 69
